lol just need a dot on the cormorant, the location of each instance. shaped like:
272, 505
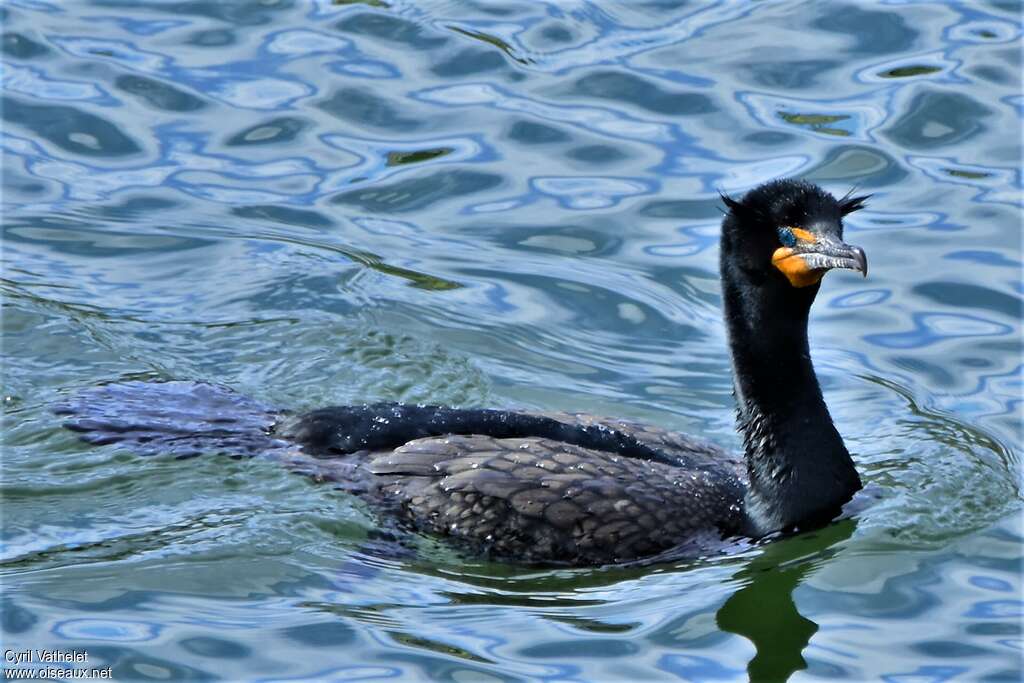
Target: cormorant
576, 489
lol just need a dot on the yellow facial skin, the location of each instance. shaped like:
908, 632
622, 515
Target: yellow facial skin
792, 265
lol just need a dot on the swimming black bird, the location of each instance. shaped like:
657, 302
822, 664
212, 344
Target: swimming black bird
566, 488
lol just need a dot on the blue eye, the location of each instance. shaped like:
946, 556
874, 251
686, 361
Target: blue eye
787, 237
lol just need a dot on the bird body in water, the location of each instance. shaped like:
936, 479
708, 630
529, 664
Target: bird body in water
566, 488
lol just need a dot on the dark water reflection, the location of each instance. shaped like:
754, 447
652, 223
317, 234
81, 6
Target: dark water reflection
763, 609
502, 204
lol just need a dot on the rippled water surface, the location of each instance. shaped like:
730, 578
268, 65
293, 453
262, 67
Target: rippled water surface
502, 204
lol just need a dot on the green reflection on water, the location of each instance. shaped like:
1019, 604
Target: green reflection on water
763, 610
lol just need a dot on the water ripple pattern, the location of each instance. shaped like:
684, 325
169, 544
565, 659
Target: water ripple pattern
501, 204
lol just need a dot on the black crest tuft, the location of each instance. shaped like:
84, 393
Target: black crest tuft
730, 203
849, 203
749, 212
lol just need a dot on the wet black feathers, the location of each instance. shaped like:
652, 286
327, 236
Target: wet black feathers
347, 429
791, 202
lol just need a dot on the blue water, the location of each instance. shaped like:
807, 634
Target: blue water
502, 204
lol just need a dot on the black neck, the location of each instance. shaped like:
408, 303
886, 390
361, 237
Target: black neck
800, 472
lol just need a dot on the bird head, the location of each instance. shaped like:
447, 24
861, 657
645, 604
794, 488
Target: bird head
789, 233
